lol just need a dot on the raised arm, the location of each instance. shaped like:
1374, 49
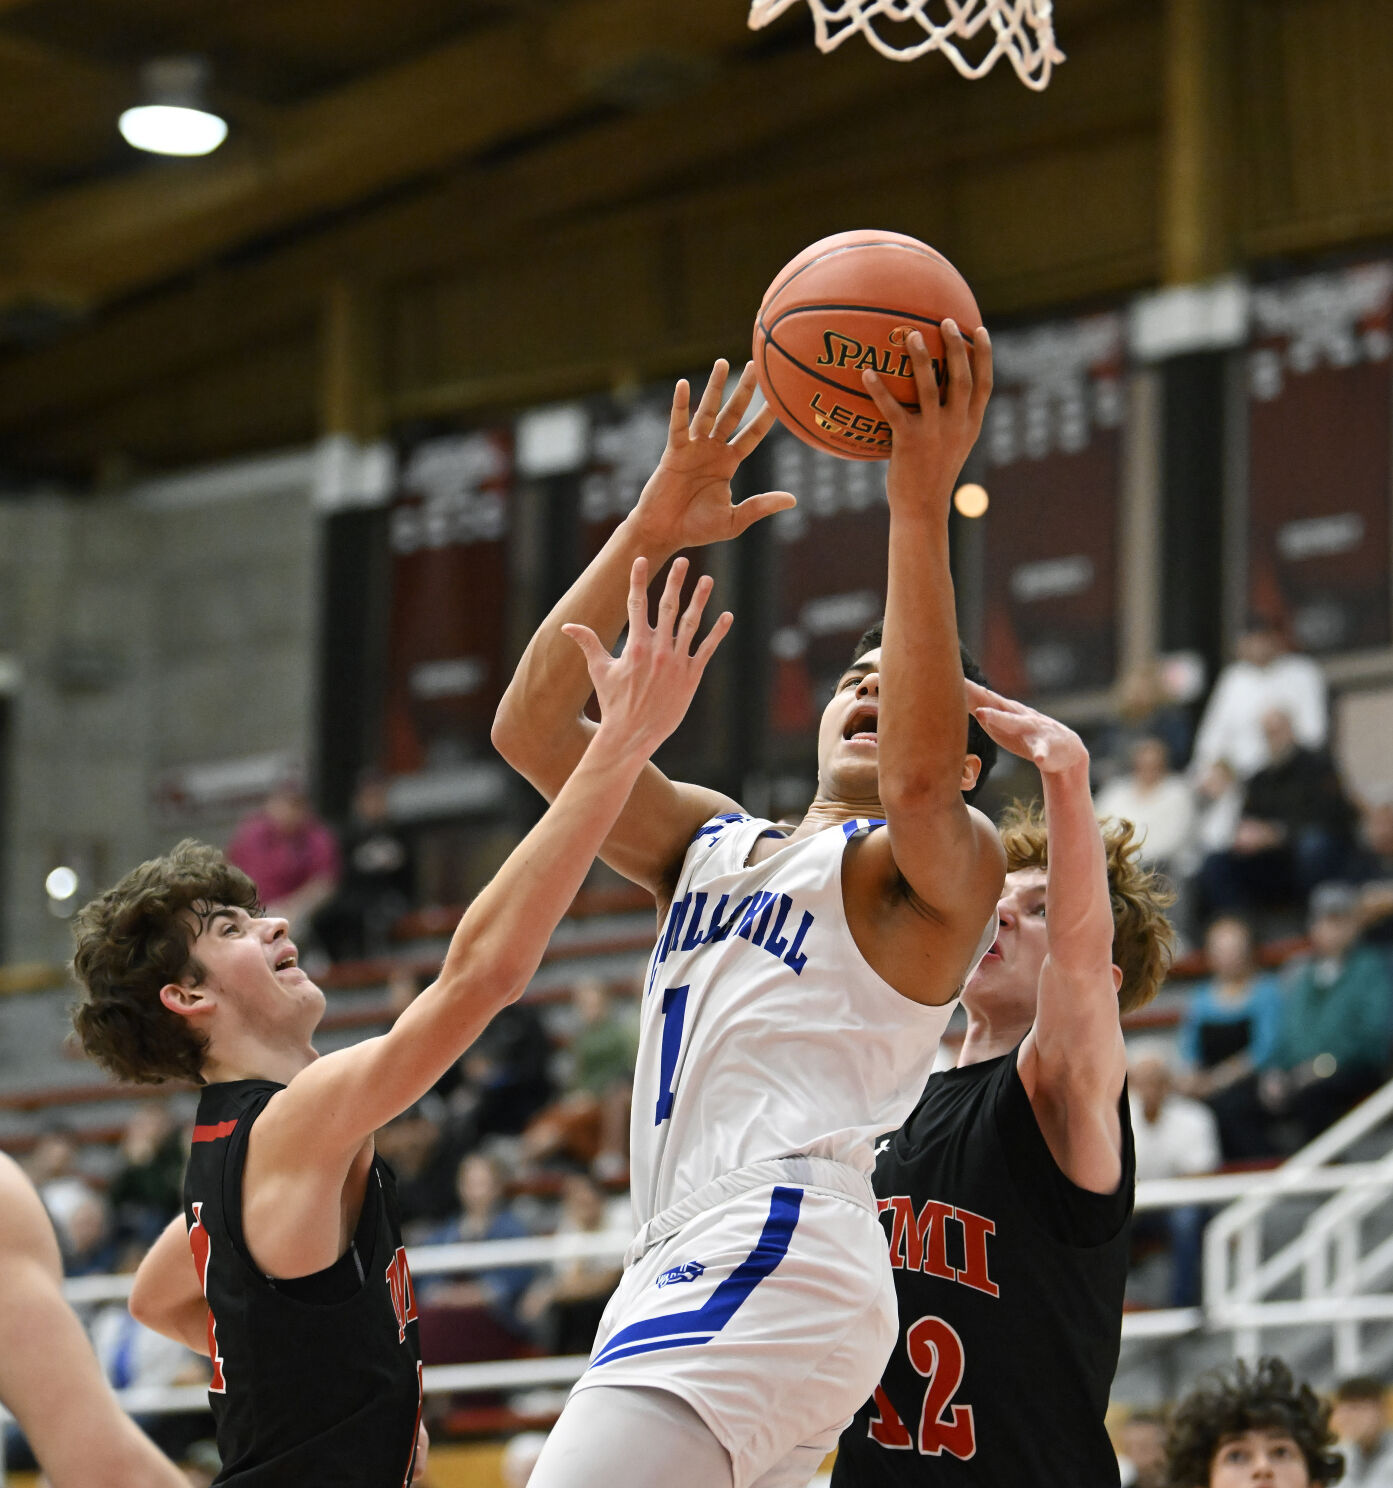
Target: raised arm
327, 1111
541, 728
947, 853
1073, 1062
49, 1377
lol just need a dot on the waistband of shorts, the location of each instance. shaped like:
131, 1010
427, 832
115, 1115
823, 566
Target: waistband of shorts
822, 1173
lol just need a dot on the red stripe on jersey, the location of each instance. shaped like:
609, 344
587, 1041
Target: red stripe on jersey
214, 1133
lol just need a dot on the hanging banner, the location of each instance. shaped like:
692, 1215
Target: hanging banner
449, 535
1050, 457
1320, 404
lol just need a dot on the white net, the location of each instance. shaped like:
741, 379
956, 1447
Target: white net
1022, 31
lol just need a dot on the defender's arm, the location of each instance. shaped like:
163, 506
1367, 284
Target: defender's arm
541, 728
1073, 1062
49, 1376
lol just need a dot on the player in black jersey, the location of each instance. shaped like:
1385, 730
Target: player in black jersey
287, 1267
1007, 1195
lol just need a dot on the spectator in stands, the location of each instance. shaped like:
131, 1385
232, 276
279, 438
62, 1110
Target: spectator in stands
289, 854
379, 879
1360, 1420
1249, 1426
1296, 829
1157, 801
1263, 676
1175, 1137
52, 1169
506, 1076
565, 1307
147, 1190
1332, 1040
1141, 1457
425, 1162
89, 1243
484, 1215
1372, 869
590, 1123
1230, 1022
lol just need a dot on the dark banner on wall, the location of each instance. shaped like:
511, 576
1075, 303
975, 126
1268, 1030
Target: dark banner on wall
1051, 459
449, 538
1320, 402
827, 573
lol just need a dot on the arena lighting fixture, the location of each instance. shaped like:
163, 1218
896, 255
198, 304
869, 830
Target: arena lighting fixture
173, 120
61, 884
971, 500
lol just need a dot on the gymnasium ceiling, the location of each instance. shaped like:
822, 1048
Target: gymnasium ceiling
384, 142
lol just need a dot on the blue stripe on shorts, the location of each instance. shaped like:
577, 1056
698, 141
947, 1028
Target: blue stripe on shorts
701, 1324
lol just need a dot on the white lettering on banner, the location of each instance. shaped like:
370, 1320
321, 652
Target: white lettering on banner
825, 486
1320, 537
458, 676
1051, 578
629, 451
834, 613
1054, 386
452, 477
1337, 320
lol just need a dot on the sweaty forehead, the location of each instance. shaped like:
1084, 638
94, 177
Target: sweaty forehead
1023, 881
868, 661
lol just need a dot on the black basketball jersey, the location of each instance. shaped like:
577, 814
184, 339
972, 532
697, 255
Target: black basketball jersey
1009, 1280
318, 1379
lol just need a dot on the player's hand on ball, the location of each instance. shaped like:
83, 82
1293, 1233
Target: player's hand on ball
645, 691
929, 445
687, 500
1045, 741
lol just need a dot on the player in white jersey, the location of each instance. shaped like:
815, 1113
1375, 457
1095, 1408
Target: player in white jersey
798, 987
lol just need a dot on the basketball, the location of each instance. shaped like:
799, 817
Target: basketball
845, 306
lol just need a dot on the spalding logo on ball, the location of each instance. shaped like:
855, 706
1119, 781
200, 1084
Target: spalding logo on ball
846, 306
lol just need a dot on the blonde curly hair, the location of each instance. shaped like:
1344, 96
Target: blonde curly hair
1143, 940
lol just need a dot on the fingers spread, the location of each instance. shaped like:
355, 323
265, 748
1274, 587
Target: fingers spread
681, 401
750, 436
691, 616
717, 633
589, 644
672, 596
707, 409
753, 508
739, 401
638, 597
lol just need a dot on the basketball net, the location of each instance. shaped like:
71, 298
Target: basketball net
1023, 30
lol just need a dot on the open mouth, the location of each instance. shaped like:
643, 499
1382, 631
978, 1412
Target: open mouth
861, 727
288, 961
995, 953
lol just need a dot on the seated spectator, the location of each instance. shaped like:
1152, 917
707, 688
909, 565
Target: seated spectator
1295, 831
1230, 1021
1360, 1420
1264, 674
289, 854
1141, 1455
1372, 870
484, 1215
148, 1188
506, 1076
89, 1242
52, 1169
590, 1123
379, 879
1251, 1426
1159, 803
565, 1308
425, 1163
1175, 1137
1332, 1042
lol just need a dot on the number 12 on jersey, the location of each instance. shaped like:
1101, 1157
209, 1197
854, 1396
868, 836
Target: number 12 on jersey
936, 1352
674, 1015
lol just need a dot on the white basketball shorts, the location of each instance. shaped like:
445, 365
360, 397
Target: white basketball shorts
771, 1315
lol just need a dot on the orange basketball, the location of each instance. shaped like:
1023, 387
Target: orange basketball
842, 307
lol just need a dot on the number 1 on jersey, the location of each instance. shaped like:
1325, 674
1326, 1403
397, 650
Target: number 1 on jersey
674, 1014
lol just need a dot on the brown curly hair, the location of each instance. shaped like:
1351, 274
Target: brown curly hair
1265, 1398
137, 938
1143, 940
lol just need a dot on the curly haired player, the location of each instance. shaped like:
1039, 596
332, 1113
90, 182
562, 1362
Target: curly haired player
287, 1266
1252, 1428
1007, 1194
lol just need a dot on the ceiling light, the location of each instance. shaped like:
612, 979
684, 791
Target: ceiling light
971, 500
61, 883
173, 119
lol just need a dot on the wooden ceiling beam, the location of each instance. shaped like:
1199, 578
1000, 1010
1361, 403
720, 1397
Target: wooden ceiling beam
100, 241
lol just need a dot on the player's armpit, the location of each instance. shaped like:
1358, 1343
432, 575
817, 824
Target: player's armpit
166, 1295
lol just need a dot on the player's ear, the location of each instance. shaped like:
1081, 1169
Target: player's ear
1116, 980
188, 1002
972, 768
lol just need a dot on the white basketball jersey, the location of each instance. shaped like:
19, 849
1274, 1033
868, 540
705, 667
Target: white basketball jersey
765, 1033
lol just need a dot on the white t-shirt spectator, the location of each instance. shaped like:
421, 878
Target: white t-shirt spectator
1374, 1470
1184, 1139
1165, 812
1231, 728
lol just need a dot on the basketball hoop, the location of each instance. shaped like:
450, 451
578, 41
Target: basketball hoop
1023, 30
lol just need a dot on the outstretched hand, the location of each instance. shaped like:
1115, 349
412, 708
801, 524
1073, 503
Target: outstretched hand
687, 501
645, 691
929, 445
1045, 741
